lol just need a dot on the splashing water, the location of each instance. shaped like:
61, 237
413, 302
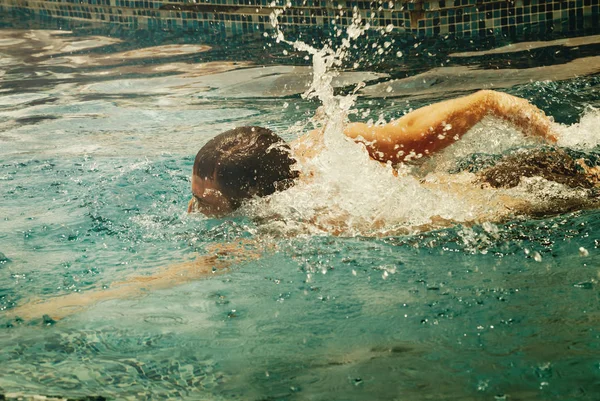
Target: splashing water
320, 318
347, 193
585, 134
335, 108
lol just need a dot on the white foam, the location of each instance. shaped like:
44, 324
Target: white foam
585, 134
345, 192
490, 136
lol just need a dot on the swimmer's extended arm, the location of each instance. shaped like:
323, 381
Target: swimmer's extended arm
434, 127
223, 256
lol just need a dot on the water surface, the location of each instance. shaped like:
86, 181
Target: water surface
98, 131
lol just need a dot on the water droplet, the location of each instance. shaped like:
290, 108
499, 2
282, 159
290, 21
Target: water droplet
544, 371
3, 258
399, 54
483, 385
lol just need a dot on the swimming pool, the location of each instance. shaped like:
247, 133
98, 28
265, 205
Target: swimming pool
98, 134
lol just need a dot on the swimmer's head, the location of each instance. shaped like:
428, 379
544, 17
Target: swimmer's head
237, 165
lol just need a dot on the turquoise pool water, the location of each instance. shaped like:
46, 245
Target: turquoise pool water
98, 131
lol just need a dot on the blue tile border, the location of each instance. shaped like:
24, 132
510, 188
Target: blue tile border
458, 18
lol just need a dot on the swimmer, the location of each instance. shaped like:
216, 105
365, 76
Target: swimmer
252, 161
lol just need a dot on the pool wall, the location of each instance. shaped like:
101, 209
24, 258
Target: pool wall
458, 18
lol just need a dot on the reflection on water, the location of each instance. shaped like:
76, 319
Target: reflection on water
97, 138
527, 46
442, 80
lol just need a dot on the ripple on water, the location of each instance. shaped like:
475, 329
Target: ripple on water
165, 320
341, 336
10, 101
161, 51
228, 337
110, 363
11, 41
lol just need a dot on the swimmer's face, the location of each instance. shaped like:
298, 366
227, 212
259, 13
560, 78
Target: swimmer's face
208, 198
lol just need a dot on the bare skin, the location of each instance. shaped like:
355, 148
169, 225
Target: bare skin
208, 198
421, 132
432, 128
221, 257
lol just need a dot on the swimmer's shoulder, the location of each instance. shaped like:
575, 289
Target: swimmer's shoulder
307, 146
